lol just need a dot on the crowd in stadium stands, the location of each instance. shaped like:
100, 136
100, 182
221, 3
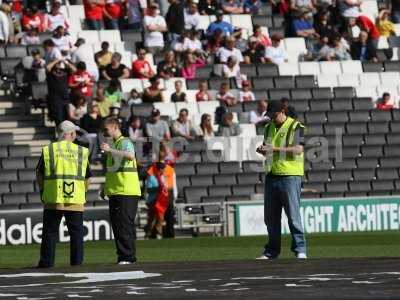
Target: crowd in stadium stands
73, 72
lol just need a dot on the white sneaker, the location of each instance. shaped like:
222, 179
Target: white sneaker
301, 256
122, 262
264, 256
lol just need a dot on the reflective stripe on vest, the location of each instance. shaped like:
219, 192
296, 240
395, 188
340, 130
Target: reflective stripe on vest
64, 178
122, 179
281, 163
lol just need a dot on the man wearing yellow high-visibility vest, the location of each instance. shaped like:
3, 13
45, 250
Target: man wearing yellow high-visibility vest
284, 167
63, 177
122, 187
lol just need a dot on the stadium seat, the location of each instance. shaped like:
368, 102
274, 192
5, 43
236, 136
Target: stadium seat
381, 116
219, 190
284, 82
359, 186
33, 197
248, 178
278, 94
320, 105
318, 176
371, 151
389, 77
327, 80
225, 179
248, 189
331, 67
166, 109
207, 168
111, 36
8, 65
270, 70
393, 138
263, 83
185, 169
341, 104
356, 128
194, 194
201, 180
142, 110
6, 138
12, 163
289, 69
249, 70
378, 127
344, 92
348, 80
22, 186
305, 81
372, 66
16, 51
359, 116
300, 105
19, 150
27, 174
90, 36
362, 103
369, 79
366, 91
322, 93
351, 67
229, 167
14, 198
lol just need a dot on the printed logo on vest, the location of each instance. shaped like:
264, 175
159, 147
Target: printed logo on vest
68, 189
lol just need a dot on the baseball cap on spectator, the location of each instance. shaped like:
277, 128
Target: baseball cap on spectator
155, 112
219, 12
274, 106
66, 127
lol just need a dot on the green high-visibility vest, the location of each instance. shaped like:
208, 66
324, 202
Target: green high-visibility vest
281, 163
65, 166
122, 177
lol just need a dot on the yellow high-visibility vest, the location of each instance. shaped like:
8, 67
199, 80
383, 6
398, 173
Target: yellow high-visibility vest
122, 177
65, 166
281, 163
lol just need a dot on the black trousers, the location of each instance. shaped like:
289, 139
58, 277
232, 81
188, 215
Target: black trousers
169, 218
122, 215
51, 223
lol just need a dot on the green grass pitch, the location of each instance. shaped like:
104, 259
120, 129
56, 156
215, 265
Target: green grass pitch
368, 244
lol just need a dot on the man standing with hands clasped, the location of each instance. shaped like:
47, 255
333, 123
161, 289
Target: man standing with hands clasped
284, 167
122, 187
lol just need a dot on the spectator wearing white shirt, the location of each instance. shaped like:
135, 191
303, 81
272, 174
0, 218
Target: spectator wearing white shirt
84, 52
229, 50
232, 70
259, 117
62, 41
135, 9
30, 37
52, 53
55, 18
192, 43
154, 26
275, 54
192, 17
182, 126
4, 27
246, 95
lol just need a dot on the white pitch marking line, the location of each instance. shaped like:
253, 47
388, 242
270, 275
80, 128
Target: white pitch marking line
11, 295
77, 296
297, 285
230, 284
366, 282
182, 281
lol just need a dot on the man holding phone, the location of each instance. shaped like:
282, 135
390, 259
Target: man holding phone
284, 167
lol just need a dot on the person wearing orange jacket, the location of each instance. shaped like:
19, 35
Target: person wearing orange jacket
162, 191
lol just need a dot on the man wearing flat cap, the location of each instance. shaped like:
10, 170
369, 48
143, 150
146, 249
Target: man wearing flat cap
63, 177
284, 167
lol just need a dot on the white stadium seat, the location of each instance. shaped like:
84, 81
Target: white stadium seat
190, 106
128, 84
290, 69
327, 80
76, 11
309, 68
351, 67
370, 9
366, 91
389, 77
383, 43
330, 67
208, 107
369, 79
348, 80
243, 21
204, 21
248, 130
295, 44
90, 36
111, 36
166, 109
170, 83
191, 95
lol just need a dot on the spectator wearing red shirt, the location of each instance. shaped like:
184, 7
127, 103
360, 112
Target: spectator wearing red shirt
385, 103
94, 13
367, 25
141, 67
81, 82
33, 19
113, 14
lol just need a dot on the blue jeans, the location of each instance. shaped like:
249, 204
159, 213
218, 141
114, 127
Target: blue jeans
94, 24
283, 192
51, 224
111, 24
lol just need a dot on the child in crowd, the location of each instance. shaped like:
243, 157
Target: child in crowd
203, 94
178, 95
246, 94
225, 96
134, 98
